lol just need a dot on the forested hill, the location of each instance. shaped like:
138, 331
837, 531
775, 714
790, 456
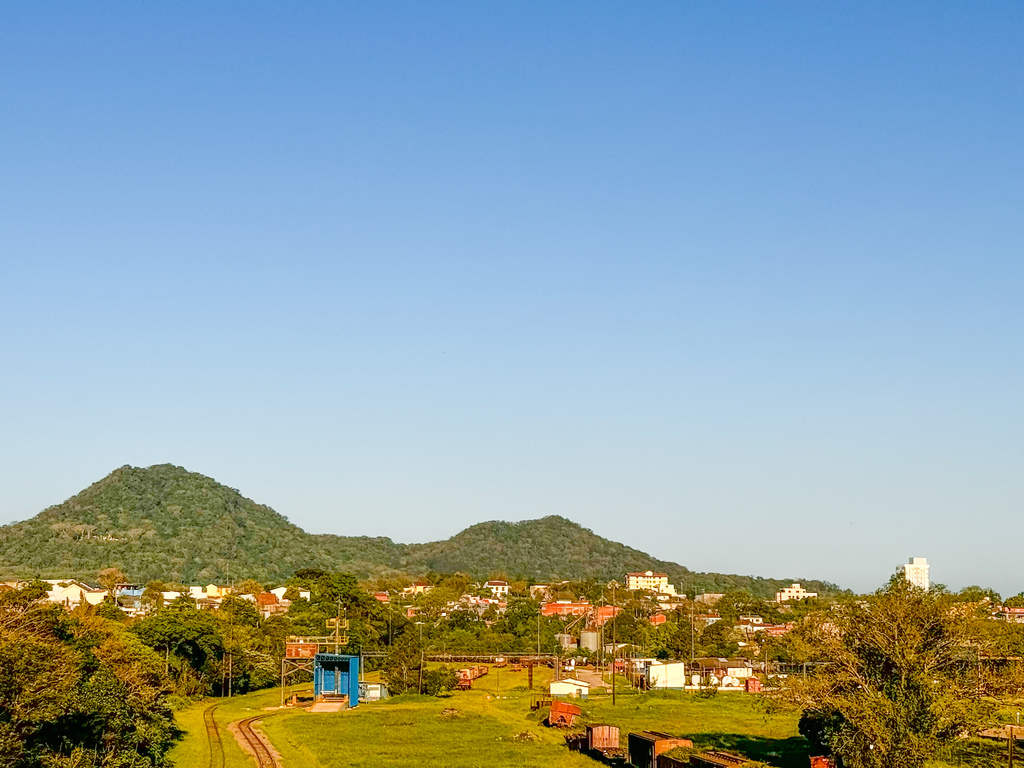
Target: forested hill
168, 524
160, 522
555, 548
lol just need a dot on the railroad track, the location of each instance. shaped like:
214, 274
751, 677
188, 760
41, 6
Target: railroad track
264, 757
213, 738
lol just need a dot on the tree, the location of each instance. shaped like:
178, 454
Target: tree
109, 578
903, 677
439, 680
720, 640
248, 587
402, 664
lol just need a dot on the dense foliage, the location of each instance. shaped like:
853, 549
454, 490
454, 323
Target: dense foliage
909, 671
166, 523
77, 690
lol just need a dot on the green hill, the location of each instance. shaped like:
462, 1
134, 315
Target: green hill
166, 523
161, 522
555, 548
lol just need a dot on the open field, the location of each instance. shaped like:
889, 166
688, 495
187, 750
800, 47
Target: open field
495, 728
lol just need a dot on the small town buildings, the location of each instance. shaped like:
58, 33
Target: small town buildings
645, 746
417, 588
382, 597
649, 581
740, 669
777, 630
304, 594
1012, 615
793, 592
658, 619
498, 589
570, 687
565, 608
605, 613
210, 591
915, 571
268, 605
539, 591
71, 593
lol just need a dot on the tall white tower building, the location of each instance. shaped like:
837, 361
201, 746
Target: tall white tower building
915, 571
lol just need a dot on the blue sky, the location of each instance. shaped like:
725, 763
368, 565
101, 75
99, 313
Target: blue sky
737, 284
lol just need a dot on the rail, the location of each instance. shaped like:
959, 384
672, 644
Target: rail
264, 757
213, 737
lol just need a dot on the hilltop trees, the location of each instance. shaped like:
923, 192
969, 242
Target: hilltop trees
903, 679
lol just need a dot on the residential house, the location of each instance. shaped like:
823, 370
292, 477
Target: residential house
71, 593
498, 589
268, 604
417, 588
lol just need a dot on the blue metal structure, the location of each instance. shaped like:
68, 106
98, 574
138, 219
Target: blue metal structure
336, 675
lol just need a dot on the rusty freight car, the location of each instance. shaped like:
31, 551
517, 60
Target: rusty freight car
562, 714
645, 746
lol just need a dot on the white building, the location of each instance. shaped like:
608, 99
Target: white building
793, 592
649, 581
279, 591
915, 571
498, 588
664, 674
569, 686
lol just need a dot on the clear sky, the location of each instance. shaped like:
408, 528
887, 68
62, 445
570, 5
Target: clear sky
738, 284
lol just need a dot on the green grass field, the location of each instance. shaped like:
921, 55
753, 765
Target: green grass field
494, 728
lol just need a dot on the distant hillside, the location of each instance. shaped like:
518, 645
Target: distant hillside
555, 548
166, 523
161, 522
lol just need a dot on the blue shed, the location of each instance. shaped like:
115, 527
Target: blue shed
336, 675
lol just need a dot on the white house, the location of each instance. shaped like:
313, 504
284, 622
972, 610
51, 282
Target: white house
279, 591
571, 687
498, 588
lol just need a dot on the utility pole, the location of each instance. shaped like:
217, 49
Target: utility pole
615, 648
420, 623
691, 630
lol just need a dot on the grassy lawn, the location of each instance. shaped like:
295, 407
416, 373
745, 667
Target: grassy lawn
495, 728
